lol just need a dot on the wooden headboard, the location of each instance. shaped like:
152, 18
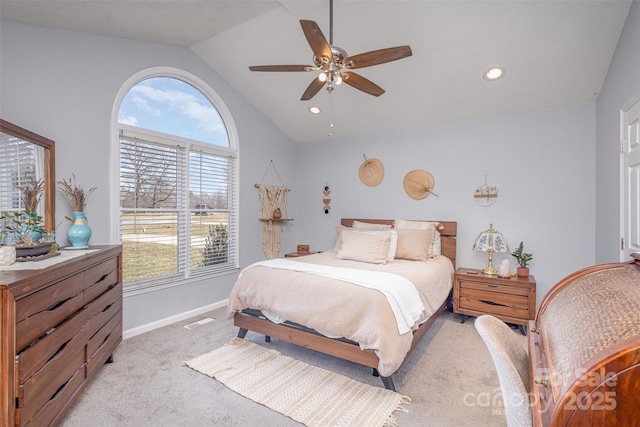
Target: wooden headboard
448, 233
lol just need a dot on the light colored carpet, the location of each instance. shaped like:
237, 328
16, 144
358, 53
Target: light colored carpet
450, 378
313, 396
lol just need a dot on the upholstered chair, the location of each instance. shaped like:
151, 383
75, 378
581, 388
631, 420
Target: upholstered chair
509, 355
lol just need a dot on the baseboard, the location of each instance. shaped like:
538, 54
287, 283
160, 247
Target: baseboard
172, 319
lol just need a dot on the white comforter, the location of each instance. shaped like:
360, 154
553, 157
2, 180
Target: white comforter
343, 309
401, 294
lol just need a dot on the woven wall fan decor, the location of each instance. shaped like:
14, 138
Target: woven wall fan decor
371, 172
418, 184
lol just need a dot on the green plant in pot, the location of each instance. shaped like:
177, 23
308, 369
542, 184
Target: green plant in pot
23, 226
523, 260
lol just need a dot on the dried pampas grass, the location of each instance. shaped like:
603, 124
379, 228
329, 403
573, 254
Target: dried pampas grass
31, 195
75, 193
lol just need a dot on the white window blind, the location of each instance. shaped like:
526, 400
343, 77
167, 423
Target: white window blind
18, 168
177, 208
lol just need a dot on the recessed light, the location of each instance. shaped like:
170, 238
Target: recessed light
314, 110
494, 73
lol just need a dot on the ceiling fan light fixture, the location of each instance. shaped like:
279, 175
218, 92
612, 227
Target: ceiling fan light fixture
494, 73
335, 64
314, 110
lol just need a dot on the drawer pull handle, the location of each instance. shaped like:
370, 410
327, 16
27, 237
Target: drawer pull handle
534, 330
492, 286
492, 303
541, 381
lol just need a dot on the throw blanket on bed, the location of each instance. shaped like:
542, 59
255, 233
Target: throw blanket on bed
401, 294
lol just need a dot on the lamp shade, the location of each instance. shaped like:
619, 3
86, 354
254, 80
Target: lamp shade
490, 240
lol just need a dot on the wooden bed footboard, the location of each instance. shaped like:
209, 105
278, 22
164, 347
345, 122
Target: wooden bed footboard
313, 340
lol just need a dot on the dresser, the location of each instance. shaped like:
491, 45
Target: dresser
584, 349
513, 299
58, 325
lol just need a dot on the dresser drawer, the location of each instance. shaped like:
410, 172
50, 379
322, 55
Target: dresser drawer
34, 357
103, 343
46, 383
44, 310
51, 411
99, 278
48, 298
100, 311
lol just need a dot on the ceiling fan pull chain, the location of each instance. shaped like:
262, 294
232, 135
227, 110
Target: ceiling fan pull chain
330, 114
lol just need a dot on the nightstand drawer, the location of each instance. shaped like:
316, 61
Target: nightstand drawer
491, 287
495, 303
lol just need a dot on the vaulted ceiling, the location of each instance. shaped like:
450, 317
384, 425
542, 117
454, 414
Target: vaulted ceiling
555, 52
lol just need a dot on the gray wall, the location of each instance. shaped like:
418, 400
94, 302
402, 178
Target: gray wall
621, 86
63, 85
542, 162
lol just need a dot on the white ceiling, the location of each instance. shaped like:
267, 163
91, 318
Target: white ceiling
556, 52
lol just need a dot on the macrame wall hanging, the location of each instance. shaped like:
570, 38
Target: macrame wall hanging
274, 202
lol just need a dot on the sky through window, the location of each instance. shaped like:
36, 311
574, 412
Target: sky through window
171, 106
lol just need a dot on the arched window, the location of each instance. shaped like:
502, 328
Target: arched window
177, 169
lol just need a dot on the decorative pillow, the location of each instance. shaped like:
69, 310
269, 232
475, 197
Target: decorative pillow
365, 246
361, 226
414, 244
393, 244
436, 245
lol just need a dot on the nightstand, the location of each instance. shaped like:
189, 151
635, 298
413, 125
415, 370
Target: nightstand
512, 300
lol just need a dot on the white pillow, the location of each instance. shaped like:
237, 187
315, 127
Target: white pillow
437, 244
366, 247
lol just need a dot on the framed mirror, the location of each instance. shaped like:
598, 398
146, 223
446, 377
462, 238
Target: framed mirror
32, 152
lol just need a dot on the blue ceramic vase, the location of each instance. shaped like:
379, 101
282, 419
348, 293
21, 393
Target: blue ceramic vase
79, 233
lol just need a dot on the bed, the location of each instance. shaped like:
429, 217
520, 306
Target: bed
298, 300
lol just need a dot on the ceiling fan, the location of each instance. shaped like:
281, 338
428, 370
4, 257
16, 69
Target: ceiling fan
335, 64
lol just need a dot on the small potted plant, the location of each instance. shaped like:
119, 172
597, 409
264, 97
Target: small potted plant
523, 260
24, 225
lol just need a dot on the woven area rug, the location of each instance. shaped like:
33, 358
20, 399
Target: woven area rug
305, 393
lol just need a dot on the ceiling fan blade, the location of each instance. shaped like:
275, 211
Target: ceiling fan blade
376, 57
361, 83
317, 41
282, 67
312, 89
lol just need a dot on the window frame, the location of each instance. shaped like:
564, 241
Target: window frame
231, 151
